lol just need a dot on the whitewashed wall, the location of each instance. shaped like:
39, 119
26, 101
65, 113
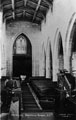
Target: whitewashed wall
60, 19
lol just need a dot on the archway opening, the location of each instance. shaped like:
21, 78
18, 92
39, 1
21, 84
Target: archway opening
60, 54
73, 51
58, 58
48, 61
22, 56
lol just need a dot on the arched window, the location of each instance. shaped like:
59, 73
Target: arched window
22, 45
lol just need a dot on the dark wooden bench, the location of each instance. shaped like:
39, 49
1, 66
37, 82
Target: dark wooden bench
44, 89
65, 106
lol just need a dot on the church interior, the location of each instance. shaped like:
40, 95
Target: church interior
38, 59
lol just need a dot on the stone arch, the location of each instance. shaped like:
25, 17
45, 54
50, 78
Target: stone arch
22, 56
58, 58
71, 50
70, 47
48, 60
43, 62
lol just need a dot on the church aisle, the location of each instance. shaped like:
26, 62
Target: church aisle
28, 100
31, 111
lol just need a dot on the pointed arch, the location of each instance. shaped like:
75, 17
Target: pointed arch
68, 39
48, 60
58, 58
26, 44
71, 50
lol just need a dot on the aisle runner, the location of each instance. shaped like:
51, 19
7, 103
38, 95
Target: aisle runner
28, 100
31, 109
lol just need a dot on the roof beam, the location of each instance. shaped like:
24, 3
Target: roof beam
49, 1
13, 8
25, 2
38, 5
12, 1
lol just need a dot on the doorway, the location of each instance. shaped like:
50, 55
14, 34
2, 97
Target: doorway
22, 65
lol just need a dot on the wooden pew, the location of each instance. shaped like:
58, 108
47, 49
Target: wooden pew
66, 103
44, 90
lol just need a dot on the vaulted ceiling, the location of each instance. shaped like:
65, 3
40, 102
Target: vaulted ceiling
29, 10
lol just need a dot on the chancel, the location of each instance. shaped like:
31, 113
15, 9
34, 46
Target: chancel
38, 59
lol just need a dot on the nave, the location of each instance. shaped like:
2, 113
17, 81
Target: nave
38, 42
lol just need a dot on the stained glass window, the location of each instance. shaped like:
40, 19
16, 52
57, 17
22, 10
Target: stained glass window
21, 45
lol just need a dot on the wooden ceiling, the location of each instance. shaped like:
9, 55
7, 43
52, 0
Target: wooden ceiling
29, 10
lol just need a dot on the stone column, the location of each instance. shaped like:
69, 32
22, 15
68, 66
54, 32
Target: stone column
0, 38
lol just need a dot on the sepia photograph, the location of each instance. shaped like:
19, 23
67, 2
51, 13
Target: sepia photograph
37, 59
